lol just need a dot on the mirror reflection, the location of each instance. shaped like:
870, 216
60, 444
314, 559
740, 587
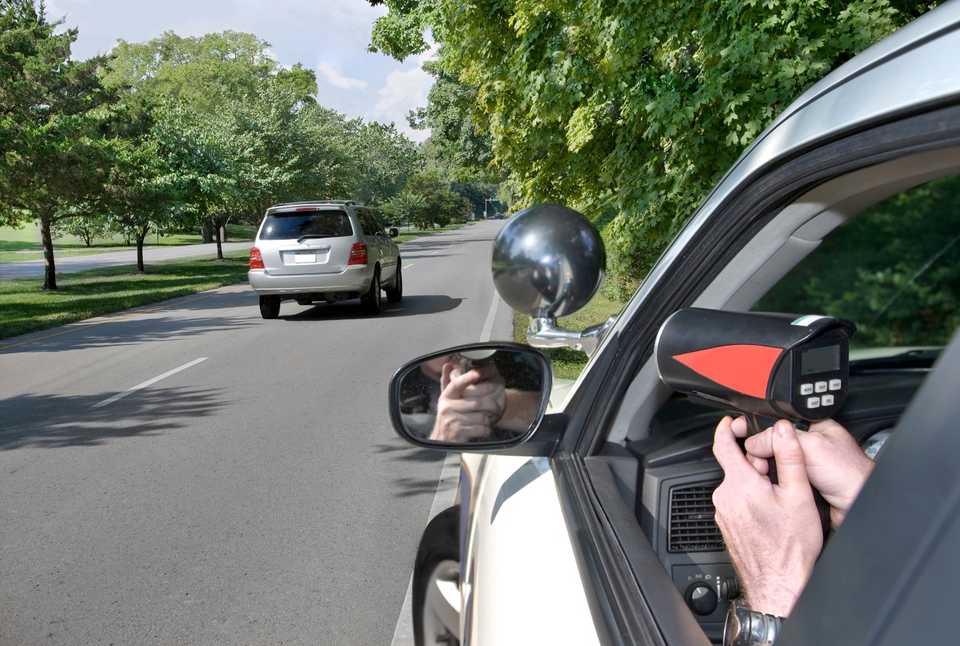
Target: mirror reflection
488, 395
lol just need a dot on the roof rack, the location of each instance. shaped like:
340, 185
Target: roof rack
343, 202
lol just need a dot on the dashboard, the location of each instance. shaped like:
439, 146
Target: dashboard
678, 475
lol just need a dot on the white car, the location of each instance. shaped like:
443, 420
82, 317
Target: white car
324, 251
595, 525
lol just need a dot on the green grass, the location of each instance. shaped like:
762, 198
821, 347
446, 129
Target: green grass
25, 307
568, 363
24, 243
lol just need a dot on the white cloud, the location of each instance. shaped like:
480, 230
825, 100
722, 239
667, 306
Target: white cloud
405, 90
335, 78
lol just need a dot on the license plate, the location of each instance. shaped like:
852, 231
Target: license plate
302, 258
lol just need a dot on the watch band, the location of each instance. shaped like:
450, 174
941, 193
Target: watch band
745, 627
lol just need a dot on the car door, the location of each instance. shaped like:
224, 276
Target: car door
391, 252
373, 241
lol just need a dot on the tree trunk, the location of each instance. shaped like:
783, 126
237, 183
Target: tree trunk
141, 236
50, 268
206, 231
219, 245
223, 233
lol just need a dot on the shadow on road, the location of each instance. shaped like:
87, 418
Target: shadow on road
401, 451
397, 450
122, 332
410, 306
56, 421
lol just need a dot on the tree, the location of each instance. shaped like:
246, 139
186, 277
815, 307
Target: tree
631, 114
384, 160
50, 112
86, 226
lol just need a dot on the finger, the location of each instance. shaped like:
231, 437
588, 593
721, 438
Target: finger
473, 405
458, 384
761, 444
740, 427
829, 428
760, 464
791, 468
727, 452
445, 375
483, 389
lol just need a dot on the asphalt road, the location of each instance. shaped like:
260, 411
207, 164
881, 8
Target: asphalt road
257, 496
71, 264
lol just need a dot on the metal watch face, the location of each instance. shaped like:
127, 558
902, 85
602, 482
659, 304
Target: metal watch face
731, 626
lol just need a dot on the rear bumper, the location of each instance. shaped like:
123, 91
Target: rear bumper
352, 279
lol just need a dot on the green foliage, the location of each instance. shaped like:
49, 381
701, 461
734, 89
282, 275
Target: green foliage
50, 114
627, 109
425, 202
895, 271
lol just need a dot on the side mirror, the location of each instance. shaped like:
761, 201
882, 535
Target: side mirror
548, 261
471, 398
394, 232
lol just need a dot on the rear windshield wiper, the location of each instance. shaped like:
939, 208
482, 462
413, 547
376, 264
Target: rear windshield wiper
308, 236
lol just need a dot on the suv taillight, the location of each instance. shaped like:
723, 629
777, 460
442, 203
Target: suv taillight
256, 260
358, 254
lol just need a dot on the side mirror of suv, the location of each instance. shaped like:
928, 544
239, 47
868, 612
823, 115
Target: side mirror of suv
393, 231
476, 398
548, 261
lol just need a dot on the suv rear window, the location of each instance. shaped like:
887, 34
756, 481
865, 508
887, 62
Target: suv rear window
296, 224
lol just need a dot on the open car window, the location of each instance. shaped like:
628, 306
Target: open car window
894, 270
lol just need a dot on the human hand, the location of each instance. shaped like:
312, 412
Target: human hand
470, 403
772, 531
836, 465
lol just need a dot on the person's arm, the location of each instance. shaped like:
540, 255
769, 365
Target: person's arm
772, 531
520, 410
836, 465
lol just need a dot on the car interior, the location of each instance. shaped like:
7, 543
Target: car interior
658, 448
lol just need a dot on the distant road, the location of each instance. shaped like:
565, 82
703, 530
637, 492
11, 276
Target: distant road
70, 264
189, 473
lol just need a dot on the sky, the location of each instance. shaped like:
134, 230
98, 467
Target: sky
328, 36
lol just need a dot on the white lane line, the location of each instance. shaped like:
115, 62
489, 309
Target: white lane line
443, 498
487, 331
148, 382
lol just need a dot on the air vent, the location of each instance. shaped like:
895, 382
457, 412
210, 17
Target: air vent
692, 528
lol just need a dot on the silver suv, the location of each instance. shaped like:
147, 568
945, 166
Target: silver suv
324, 251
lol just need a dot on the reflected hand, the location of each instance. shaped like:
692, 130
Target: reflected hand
471, 402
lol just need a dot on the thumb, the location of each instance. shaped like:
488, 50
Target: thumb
791, 468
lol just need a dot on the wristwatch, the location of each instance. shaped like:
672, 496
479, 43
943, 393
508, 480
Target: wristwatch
746, 627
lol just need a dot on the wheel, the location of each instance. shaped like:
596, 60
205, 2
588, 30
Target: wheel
372, 299
395, 291
436, 582
269, 307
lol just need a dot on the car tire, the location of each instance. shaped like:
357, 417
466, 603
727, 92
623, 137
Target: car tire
395, 291
269, 307
371, 300
436, 581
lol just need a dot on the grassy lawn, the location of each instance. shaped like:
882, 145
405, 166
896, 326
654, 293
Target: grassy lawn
24, 307
568, 363
24, 243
